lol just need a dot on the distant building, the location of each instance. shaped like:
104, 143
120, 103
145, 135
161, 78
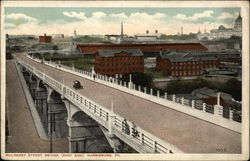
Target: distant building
145, 48
45, 39
223, 32
124, 61
75, 34
57, 36
148, 36
185, 64
222, 45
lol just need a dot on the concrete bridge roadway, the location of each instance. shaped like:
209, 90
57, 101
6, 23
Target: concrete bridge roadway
189, 134
23, 135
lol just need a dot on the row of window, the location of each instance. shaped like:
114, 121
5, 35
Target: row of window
193, 67
194, 62
123, 64
180, 73
131, 58
119, 69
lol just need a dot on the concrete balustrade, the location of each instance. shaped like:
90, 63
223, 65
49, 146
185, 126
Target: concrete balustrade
204, 107
174, 98
182, 100
231, 113
192, 103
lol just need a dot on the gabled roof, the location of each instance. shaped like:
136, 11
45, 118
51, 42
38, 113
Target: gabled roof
211, 93
174, 56
111, 53
206, 91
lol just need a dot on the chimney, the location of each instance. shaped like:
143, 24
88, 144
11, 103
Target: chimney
44, 34
156, 31
121, 29
147, 31
181, 30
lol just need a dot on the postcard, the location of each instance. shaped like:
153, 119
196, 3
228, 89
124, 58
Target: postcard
125, 80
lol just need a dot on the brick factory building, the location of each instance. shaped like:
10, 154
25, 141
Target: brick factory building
45, 39
145, 48
179, 63
112, 62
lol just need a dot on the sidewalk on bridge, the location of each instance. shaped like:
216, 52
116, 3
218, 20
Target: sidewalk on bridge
37, 120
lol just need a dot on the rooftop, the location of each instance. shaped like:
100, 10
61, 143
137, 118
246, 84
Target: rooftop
182, 56
211, 93
174, 56
111, 53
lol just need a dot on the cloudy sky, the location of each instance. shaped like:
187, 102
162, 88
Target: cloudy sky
50, 20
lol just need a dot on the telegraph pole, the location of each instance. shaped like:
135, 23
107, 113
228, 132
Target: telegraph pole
50, 133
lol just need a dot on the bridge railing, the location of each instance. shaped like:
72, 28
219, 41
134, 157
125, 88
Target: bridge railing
179, 104
102, 115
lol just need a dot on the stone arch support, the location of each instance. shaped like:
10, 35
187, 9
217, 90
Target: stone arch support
49, 91
71, 108
84, 133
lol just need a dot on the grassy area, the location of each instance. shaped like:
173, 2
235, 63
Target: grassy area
232, 86
154, 73
79, 61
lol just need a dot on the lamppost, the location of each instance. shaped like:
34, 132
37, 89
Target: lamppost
52, 125
50, 133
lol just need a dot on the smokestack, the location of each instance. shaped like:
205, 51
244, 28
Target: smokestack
44, 34
156, 31
147, 31
121, 29
181, 30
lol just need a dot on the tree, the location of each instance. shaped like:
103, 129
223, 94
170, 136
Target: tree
180, 86
55, 47
233, 87
144, 80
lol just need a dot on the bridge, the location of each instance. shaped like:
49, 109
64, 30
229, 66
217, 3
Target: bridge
164, 125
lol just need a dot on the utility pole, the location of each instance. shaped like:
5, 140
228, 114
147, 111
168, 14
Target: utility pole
50, 132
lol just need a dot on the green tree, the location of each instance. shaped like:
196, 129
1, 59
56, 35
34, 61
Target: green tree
180, 86
233, 87
55, 47
144, 80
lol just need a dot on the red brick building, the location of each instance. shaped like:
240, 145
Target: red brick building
112, 62
145, 48
45, 39
179, 64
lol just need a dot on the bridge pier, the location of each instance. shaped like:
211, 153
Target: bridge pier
56, 115
85, 136
41, 101
32, 84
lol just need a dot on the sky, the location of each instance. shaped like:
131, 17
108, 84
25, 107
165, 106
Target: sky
93, 20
